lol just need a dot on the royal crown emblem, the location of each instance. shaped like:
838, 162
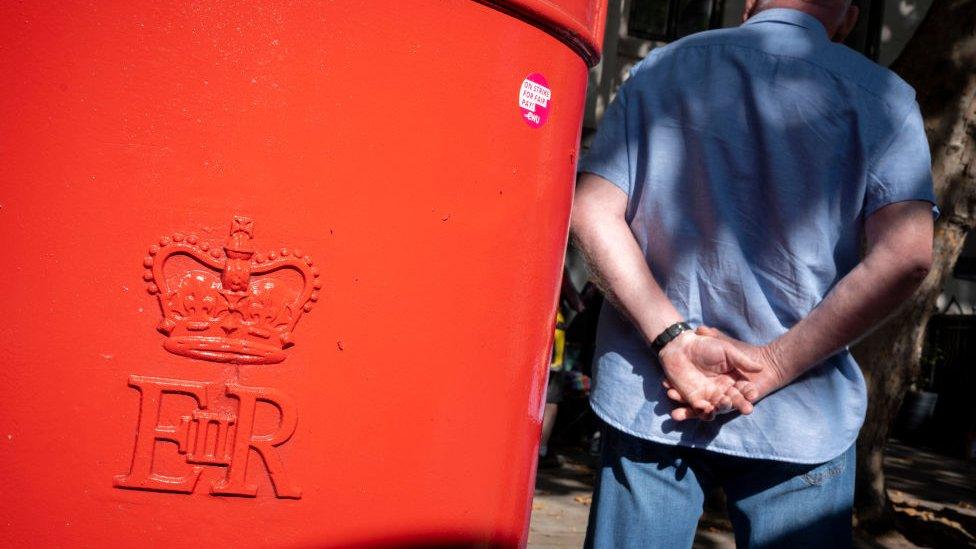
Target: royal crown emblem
229, 303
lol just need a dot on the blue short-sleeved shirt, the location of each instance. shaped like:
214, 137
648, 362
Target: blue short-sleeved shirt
751, 157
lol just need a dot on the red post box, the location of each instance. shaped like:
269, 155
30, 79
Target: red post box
281, 273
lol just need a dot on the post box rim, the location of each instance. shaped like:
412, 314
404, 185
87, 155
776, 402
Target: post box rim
583, 37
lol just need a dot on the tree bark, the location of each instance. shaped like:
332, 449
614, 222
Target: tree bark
940, 63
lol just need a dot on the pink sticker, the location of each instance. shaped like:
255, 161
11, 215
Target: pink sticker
534, 98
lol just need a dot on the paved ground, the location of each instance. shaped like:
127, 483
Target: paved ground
935, 497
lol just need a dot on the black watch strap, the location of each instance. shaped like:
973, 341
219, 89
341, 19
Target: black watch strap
668, 335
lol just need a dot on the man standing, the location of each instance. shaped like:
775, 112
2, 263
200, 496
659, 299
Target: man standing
730, 188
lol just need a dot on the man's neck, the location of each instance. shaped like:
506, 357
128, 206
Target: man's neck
824, 11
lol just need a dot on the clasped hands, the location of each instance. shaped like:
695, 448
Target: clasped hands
709, 373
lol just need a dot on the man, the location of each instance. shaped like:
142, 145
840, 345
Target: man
730, 187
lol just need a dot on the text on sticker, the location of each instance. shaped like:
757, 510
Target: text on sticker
532, 94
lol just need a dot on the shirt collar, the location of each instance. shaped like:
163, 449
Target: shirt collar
790, 17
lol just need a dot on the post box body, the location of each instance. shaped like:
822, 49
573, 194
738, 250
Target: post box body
281, 274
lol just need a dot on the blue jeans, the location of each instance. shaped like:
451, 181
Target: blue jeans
651, 495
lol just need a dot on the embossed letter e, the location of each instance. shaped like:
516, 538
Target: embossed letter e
141, 475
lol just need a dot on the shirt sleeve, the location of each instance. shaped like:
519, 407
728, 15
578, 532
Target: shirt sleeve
609, 154
903, 171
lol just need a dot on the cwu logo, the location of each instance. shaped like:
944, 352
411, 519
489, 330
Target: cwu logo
226, 304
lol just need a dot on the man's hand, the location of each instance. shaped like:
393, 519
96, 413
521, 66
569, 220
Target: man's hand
899, 252
706, 371
764, 376
708, 375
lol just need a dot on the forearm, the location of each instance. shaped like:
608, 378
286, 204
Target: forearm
884, 279
616, 260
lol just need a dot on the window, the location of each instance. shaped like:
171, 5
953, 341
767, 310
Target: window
668, 20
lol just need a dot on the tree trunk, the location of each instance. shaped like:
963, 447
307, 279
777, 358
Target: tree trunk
940, 63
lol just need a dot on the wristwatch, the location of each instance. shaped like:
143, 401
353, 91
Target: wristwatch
668, 335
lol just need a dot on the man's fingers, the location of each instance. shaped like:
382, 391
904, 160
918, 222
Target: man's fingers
725, 402
683, 413
740, 361
733, 396
702, 407
666, 383
706, 331
734, 356
712, 332
748, 389
740, 403
722, 385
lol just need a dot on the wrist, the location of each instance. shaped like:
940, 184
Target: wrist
777, 375
670, 334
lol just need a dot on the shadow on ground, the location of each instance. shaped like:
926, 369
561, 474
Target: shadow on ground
934, 498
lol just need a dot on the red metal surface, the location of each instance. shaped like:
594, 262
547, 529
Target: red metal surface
279, 274
579, 23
